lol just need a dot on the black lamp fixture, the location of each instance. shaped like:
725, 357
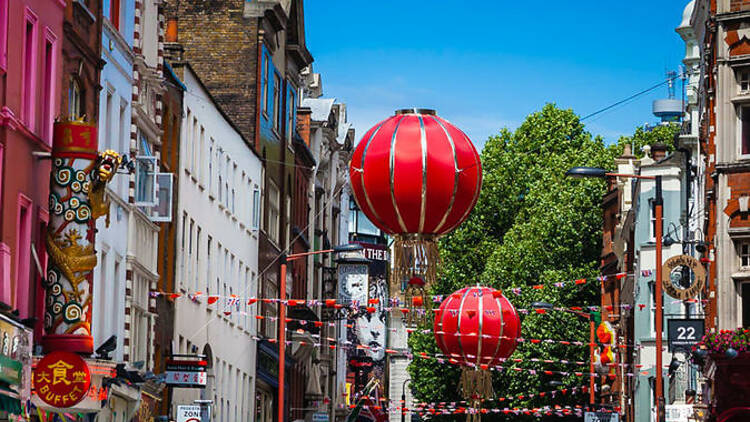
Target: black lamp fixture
541, 305
586, 172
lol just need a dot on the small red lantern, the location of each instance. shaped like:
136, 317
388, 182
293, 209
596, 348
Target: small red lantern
477, 326
416, 177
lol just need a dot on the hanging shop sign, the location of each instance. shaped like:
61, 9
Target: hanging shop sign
684, 333
186, 373
683, 277
62, 379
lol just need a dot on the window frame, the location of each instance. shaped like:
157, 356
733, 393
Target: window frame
139, 159
743, 139
275, 124
743, 255
274, 212
264, 88
29, 63
4, 13
49, 85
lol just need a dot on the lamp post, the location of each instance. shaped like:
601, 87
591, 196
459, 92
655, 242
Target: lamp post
403, 399
592, 341
585, 172
284, 259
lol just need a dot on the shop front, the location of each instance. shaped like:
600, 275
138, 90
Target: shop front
15, 369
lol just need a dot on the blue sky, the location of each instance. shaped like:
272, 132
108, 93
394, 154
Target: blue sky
486, 65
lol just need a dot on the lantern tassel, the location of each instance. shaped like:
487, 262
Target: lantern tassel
415, 257
475, 385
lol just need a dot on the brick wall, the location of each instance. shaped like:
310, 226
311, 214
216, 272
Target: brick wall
221, 45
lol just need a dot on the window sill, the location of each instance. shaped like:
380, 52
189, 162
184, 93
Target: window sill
211, 196
200, 186
194, 179
742, 274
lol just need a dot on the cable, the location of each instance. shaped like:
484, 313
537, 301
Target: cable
638, 94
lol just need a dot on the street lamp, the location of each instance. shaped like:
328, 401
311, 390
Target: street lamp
592, 340
284, 259
581, 172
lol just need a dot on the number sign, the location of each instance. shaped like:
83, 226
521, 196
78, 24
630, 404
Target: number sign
684, 333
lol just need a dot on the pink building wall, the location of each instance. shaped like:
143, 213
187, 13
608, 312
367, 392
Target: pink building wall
30, 64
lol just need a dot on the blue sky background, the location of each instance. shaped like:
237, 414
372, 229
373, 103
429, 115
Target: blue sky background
486, 65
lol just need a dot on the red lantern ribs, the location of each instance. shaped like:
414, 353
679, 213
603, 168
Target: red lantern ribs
416, 177
477, 326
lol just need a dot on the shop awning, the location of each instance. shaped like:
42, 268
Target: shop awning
9, 401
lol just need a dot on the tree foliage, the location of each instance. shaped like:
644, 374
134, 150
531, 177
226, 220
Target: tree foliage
532, 225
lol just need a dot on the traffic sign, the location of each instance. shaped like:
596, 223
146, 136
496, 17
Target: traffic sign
684, 333
188, 413
601, 417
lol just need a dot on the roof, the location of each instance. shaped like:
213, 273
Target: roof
320, 108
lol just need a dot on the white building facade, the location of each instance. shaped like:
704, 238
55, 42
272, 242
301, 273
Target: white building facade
218, 213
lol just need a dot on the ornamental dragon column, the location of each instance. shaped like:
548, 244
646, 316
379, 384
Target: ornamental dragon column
77, 198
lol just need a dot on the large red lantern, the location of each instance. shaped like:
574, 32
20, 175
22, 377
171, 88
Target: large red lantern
477, 326
416, 177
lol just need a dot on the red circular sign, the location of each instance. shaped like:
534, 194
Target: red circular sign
62, 379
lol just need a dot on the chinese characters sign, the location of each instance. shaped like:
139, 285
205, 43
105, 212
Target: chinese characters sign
62, 379
186, 373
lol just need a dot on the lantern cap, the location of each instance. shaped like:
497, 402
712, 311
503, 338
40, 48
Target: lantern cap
416, 281
416, 111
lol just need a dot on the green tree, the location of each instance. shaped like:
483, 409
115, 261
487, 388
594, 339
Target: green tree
531, 225
643, 136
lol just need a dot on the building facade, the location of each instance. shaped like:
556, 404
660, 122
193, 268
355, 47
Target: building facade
217, 217
724, 106
31, 36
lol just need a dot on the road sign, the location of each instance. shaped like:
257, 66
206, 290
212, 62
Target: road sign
684, 333
320, 417
601, 417
188, 413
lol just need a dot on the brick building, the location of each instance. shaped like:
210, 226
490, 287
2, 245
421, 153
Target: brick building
725, 140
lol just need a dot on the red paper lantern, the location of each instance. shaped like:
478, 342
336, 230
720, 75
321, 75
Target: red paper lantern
476, 325
480, 327
416, 177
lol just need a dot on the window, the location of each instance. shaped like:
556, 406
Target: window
211, 167
163, 209
745, 130
273, 212
200, 169
75, 99
290, 118
48, 113
198, 261
114, 13
745, 291
266, 59
276, 101
188, 141
744, 80
263, 406
256, 209
106, 144
189, 276
4, 33
744, 250
145, 172
288, 223
140, 344
23, 255
29, 70
182, 249
209, 245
